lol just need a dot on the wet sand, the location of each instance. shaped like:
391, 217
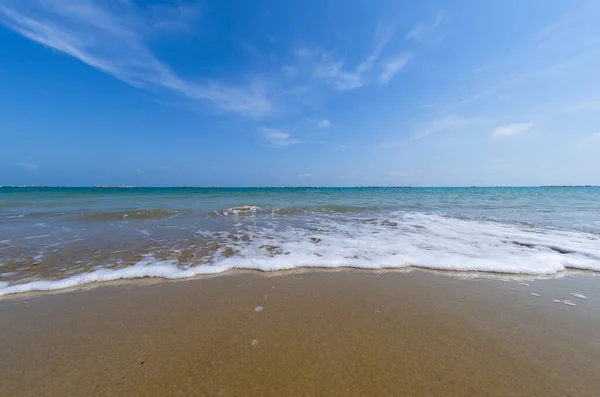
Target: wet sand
319, 333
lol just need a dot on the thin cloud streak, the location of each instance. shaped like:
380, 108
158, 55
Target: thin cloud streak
423, 31
278, 138
399, 174
325, 123
393, 66
444, 124
113, 42
510, 130
437, 126
27, 166
583, 106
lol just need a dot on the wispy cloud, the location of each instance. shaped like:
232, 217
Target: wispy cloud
278, 138
424, 31
27, 166
399, 174
439, 125
324, 123
444, 124
334, 70
583, 106
575, 29
392, 66
304, 176
560, 51
326, 66
509, 130
110, 35
588, 142
177, 17
482, 69
545, 72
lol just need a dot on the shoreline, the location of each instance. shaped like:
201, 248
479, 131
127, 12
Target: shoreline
323, 332
87, 285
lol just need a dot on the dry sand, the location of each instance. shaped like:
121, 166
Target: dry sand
319, 333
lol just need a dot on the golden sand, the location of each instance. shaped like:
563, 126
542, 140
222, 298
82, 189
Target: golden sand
355, 333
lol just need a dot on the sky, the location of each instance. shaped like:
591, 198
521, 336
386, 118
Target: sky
290, 93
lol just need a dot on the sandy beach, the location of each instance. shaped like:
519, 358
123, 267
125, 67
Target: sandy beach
307, 333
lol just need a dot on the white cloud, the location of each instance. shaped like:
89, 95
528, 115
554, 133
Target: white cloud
325, 65
110, 36
27, 166
325, 123
305, 176
423, 31
509, 130
399, 173
278, 137
391, 67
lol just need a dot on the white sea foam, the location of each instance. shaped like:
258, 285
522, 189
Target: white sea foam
566, 302
37, 236
14, 216
240, 210
579, 296
397, 241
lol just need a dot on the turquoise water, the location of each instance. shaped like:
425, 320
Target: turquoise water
56, 237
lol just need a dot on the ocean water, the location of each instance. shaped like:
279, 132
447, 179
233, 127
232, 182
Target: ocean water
53, 238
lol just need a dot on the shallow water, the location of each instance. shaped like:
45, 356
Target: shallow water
54, 238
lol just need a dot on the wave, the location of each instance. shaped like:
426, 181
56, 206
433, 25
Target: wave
288, 211
340, 209
240, 210
127, 215
397, 240
326, 209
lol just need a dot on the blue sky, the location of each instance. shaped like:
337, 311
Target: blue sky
327, 92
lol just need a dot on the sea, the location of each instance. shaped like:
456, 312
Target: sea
56, 238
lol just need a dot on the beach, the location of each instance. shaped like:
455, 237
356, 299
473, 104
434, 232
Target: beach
307, 333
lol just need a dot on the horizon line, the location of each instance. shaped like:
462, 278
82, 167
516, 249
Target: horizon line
278, 187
